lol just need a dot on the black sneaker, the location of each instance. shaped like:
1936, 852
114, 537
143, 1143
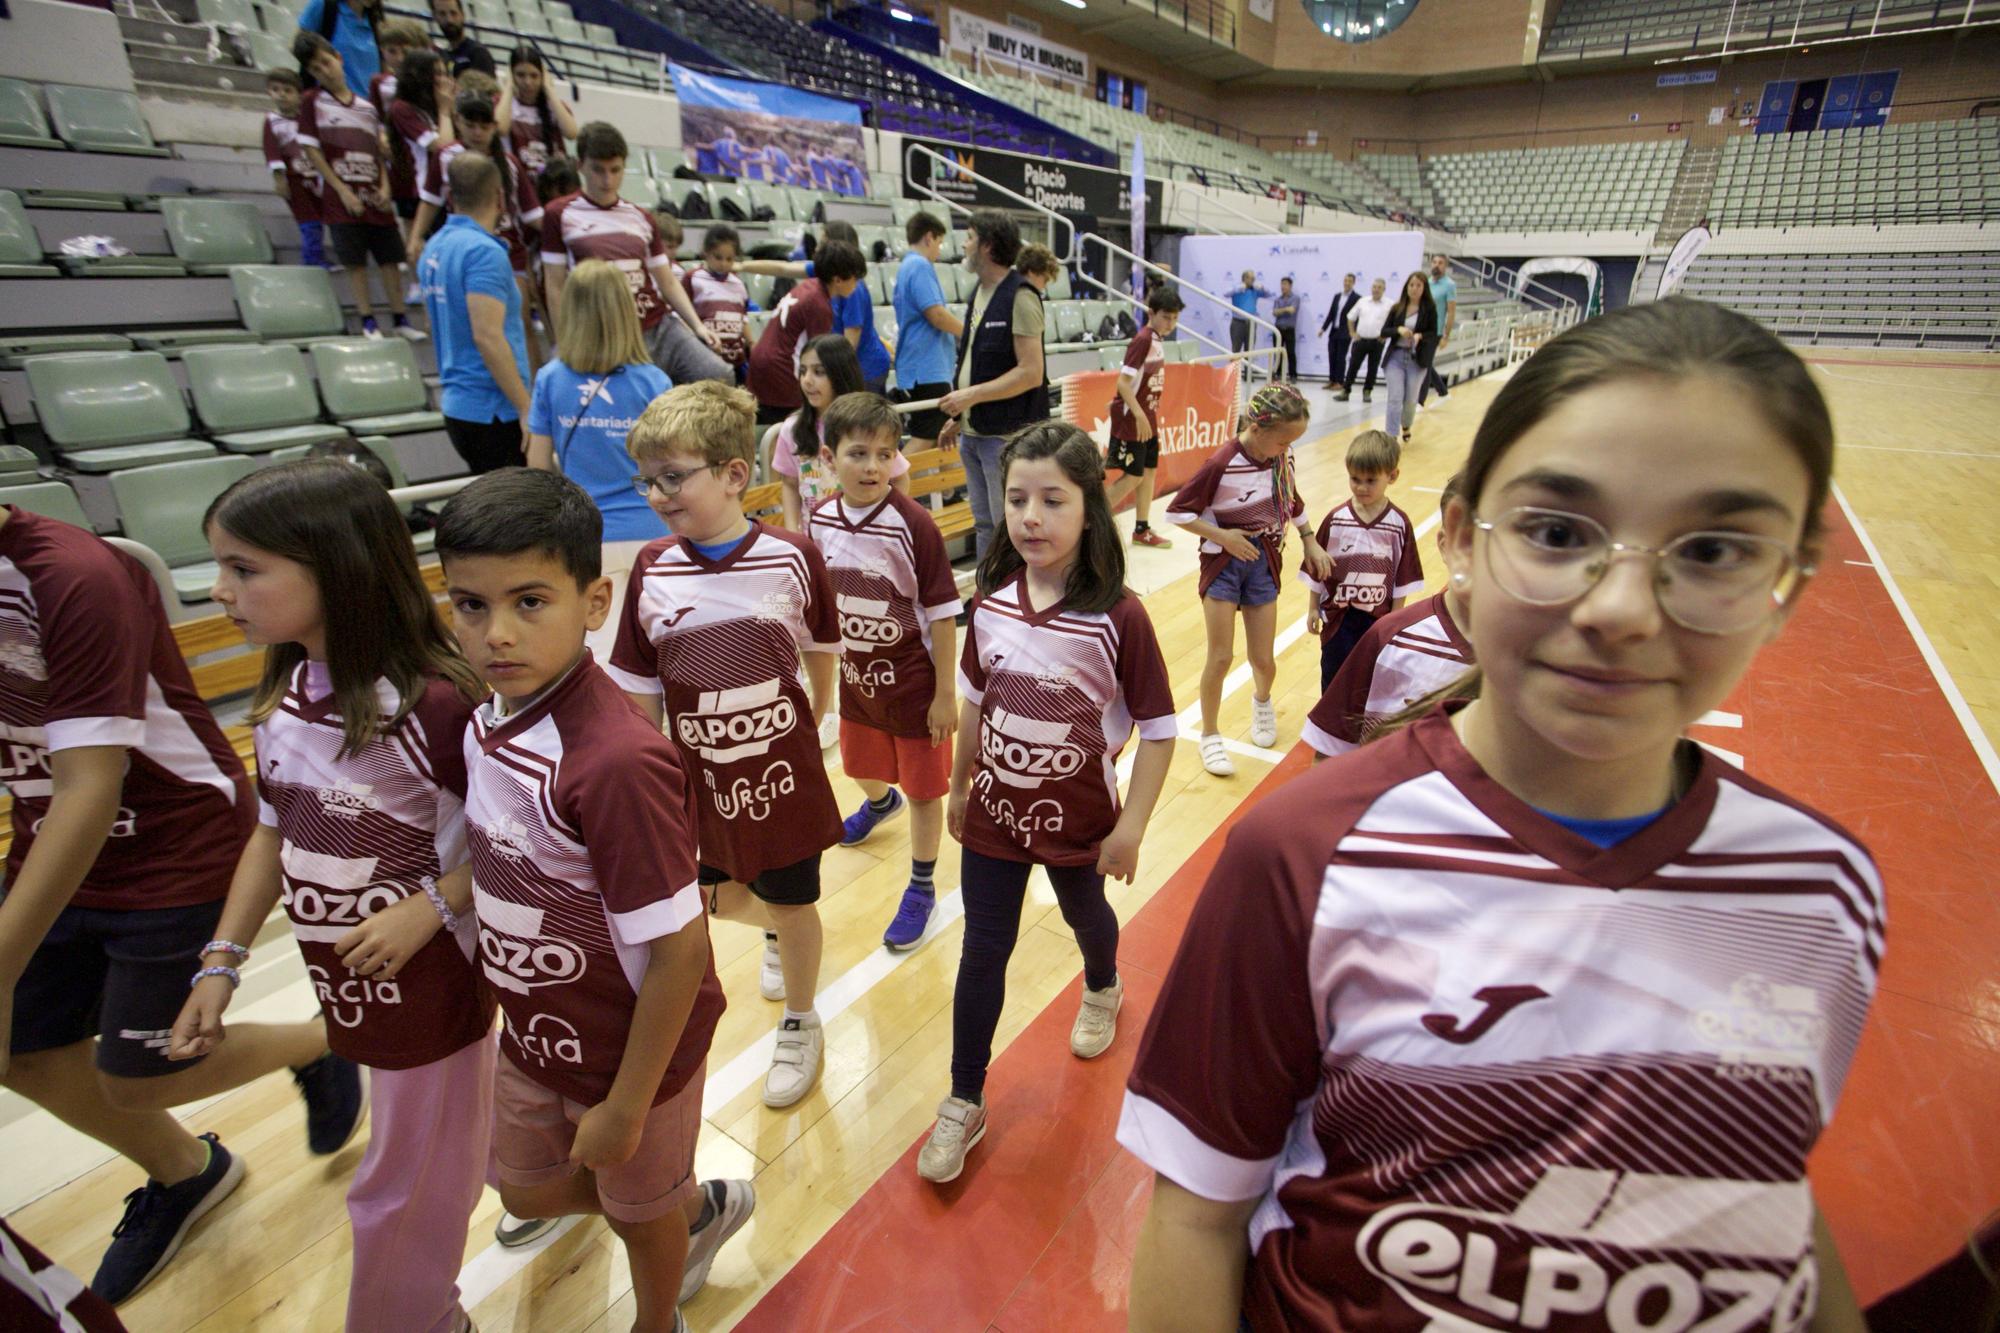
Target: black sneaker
335, 1102
157, 1219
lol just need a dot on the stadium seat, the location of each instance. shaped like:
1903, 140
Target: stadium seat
286, 303
15, 349
753, 325
1059, 286
1095, 312
18, 466
121, 266
880, 283
162, 507
1066, 321
640, 190
210, 235
885, 322
374, 387
1110, 357
22, 124
759, 286
267, 50
172, 342
100, 120
235, 14
384, 449
50, 499
256, 399
106, 411
20, 248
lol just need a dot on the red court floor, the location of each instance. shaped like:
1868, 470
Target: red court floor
1842, 711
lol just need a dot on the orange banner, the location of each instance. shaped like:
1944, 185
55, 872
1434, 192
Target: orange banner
1197, 414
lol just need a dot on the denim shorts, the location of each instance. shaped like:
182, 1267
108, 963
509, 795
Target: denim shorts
1245, 582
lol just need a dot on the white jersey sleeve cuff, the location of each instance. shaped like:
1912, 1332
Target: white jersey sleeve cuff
1323, 741
656, 921
76, 733
944, 610
1128, 371
632, 684
1181, 516
968, 692
265, 814
555, 259
309, 140
434, 200
277, 165
1151, 1133
1159, 728
1408, 589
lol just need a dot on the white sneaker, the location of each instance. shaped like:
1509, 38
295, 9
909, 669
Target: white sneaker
960, 1125
1263, 723
413, 294
795, 1064
1215, 758
1096, 1021
739, 1200
771, 977
514, 1232
829, 731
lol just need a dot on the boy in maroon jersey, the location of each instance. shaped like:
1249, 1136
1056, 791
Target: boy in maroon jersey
899, 644
1374, 549
715, 622
342, 136
583, 875
1135, 411
805, 313
292, 175
398, 37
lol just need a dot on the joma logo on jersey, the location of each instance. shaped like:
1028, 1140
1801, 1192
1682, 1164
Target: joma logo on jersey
343, 1000
878, 674
866, 624
348, 800
508, 837
727, 725
1584, 1250
753, 800
519, 965
549, 1040
23, 659
1026, 751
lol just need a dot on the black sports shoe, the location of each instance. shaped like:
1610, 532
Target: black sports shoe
157, 1219
334, 1102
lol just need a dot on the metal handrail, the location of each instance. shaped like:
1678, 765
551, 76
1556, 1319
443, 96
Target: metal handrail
1182, 285
1263, 228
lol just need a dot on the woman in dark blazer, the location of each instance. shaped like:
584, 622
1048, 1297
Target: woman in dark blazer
1412, 332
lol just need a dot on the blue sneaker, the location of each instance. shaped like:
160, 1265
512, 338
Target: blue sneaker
857, 826
906, 932
335, 1102
158, 1218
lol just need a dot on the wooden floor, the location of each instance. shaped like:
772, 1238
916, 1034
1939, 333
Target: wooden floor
1920, 472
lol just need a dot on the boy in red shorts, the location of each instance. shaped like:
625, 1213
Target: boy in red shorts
898, 694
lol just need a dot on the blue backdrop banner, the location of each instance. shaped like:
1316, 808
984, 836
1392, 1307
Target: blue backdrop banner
768, 132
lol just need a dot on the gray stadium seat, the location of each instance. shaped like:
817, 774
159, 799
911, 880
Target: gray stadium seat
256, 399
20, 248
210, 235
17, 348
163, 506
22, 124
106, 411
100, 120
50, 499
293, 304
373, 387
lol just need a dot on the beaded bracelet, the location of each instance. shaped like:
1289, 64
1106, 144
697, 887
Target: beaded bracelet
224, 946
445, 914
235, 977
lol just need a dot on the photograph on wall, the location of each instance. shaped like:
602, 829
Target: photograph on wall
766, 132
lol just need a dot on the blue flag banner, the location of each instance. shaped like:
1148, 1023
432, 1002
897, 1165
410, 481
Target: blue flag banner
768, 132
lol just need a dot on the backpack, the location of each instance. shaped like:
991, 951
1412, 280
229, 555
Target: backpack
696, 206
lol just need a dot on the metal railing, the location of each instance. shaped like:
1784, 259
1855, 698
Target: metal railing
1531, 292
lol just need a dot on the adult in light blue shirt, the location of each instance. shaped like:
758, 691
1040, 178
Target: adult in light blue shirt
353, 36
1444, 295
475, 315
926, 329
1245, 299
584, 419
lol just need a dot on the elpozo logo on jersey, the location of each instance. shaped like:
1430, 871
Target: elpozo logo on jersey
866, 624
348, 800
1027, 751
1587, 1249
744, 723
520, 965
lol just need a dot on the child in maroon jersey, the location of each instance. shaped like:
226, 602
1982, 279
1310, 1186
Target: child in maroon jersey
360, 720
1372, 546
716, 621
396, 39
590, 917
292, 175
1060, 668
1134, 447
1527, 1014
1239, 504
897, 598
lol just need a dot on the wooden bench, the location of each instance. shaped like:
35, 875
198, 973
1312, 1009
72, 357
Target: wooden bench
934, 474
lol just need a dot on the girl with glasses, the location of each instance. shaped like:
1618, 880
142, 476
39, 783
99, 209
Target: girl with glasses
1535, 1008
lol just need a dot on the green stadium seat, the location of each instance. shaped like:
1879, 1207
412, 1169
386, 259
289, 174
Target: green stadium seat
17, 465
256, 399
880, 283
1110, 357
162, 507
22, 124
1066, 320
105, 411
17, 348
382, 448
640, 190
20, 248
239, 15
287, 303
172, 342
100, 120
50, 499
1059, 287
759, 286
122, 266
211, 235
373, 387
1095, 311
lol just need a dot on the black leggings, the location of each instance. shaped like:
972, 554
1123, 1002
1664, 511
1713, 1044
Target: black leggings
994, 891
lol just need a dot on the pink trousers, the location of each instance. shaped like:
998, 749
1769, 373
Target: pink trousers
412, 1199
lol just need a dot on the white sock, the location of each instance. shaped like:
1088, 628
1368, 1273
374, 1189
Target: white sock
810, 1018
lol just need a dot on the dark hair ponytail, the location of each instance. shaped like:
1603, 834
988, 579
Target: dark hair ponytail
842, 365
529, 54
1097, 580
416, 81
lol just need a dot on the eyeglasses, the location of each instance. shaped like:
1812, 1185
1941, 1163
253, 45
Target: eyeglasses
669, 483
1708, 582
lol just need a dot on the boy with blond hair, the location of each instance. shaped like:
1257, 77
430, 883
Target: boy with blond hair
1373, 545
715, 622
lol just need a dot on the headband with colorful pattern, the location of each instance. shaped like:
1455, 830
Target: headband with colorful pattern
1275, 402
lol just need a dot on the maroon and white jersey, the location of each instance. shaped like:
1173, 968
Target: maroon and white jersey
722, 301
402, 171
803, 314
38, 1295
1234, 490
1058, 694
523, 211
1145, 365
349, 135
576, 811
283, 152
524, 133
1373, 563
417, 134
575, 229
891, 581
720, 641
1503, 1078
1404, 656
361, 834
87, 659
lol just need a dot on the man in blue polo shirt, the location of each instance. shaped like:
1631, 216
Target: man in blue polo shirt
926, 329
1245, 299
475, 313
1444, 295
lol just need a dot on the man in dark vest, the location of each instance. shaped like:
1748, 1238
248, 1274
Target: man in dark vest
1001, 385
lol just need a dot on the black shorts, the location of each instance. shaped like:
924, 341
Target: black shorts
795, 885
354, 243
406, 208
768, 415
1135, 458
929, 423
118, 976
486, 445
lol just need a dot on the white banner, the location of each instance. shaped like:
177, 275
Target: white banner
1686, 250
1022, 50
1315, 264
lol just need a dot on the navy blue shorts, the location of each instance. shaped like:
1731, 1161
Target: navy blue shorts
1245, 583
118, 976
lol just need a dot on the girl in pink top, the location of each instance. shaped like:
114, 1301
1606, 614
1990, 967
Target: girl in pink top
828, 368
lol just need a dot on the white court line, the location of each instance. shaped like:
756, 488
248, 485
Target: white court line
1865, 564
1938, 453
1974, 733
